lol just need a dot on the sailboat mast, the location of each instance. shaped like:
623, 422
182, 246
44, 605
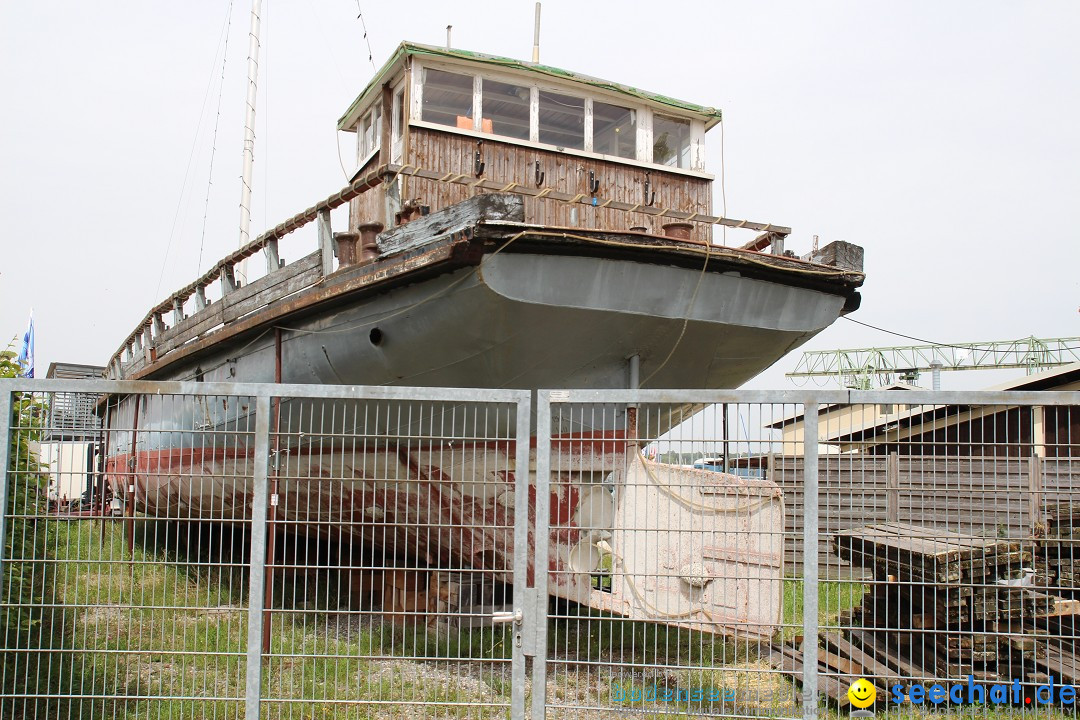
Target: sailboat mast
249, 132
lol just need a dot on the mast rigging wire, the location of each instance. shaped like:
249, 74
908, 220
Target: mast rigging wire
194, 143
213, 142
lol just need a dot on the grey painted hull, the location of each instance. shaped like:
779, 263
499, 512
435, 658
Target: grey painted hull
529, 321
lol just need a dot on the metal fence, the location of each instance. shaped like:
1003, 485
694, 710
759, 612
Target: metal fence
227, 550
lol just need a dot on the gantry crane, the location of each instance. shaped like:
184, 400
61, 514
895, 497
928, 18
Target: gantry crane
858, 368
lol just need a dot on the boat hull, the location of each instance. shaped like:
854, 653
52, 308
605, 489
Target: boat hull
515, 320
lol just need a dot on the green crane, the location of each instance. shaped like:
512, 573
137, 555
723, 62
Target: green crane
859, 368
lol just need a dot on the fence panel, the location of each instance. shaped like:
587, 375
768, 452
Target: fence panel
668, 581
227, 550
391, 583
964, 594
121, 597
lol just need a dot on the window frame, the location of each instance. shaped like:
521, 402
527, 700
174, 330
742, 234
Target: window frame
364, 153
644, 117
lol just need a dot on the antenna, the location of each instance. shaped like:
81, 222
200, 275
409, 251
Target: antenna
536, 35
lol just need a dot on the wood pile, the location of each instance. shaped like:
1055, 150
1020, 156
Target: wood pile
945, 606
1061, 544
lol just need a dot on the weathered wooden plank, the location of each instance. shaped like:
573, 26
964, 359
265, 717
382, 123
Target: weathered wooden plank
840, 254
289, 279
437, 225
192, 327
307, 273
870, 665
876, 646
790, 660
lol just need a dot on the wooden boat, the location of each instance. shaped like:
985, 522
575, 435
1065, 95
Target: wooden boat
511, 225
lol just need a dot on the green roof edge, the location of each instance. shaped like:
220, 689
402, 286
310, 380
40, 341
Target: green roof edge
408, 48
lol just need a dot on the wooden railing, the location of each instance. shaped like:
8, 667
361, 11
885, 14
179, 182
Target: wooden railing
152, 337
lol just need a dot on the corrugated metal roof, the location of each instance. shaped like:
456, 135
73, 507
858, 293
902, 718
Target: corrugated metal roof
72, 416
710, 115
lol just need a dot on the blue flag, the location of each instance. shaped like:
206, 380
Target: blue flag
26, 353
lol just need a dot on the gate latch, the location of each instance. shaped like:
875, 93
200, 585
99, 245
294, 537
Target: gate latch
514, 616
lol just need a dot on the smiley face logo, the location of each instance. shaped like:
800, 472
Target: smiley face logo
862, 693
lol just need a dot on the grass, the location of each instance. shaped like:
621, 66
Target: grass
165, 636
162, 635
833, 598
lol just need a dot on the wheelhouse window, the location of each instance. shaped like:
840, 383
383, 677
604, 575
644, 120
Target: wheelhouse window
370, 134
562, 120
514, 108
614, 130
671, 141
447, 98
505, 109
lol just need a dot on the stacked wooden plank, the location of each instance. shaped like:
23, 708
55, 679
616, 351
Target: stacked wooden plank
1061, 544
945, 606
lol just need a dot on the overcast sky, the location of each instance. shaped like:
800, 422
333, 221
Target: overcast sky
942, 137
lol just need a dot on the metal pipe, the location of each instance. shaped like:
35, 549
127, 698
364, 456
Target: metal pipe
810, 560
725, 465
536, 36
271, 530
6, 409
133, 462
257, 574
448, 29
632, 410
249, 133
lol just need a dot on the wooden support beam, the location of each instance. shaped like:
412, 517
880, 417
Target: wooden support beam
892, 488
228, 280
273, 262
177, 311
1035, 494
326, 242
389, 196
158, 325
200, 299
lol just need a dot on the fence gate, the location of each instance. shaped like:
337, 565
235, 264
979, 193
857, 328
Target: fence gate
668, 581
227, 550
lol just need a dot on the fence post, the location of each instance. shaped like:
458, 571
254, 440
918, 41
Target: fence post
540, 552
257, 575
892, 488
810, 560
533, 608
5, 459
